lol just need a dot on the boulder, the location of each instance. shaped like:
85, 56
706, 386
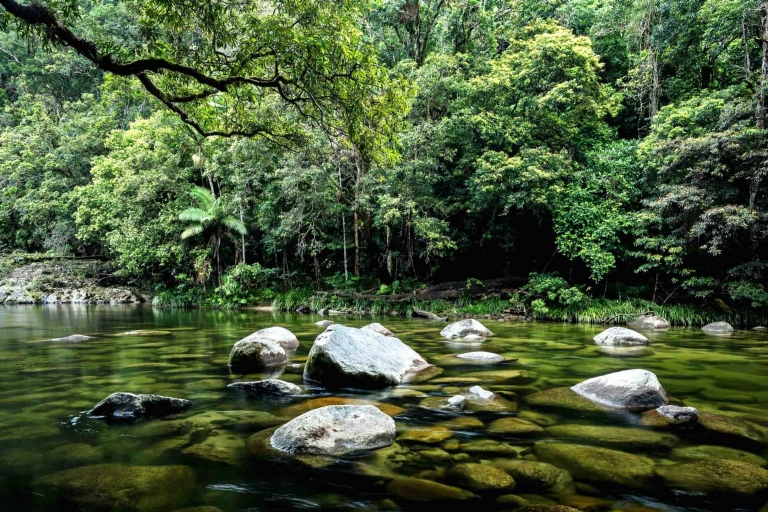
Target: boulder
127, 406
280, 335
125, 487
74, 338
678, 415
598, 465
478, 392
430, 435
708, 452
718, 328
562, 398
614, 437
636, 390
649, 322
335, 430
715, 476
378, 328
268, 387
480, 477
465, 328
482, 356
457, 401
421, 490
620, 337
514, 426
347, 357
255, 354
536, 477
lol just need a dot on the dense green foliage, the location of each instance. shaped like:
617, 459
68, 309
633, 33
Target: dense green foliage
600, 150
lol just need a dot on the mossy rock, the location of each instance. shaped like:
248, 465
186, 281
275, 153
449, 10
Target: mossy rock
514, 426
259, 446
432, 435
490, 446
464, 423
521, 377
235, 420
315, 403
541, 419
614, 436
495, 404
421, 490
733, 430
434, 455
562, 398
218, 447
715, 476
202, 508
76, 454
598, 465
707, 452
119, 486
480, 477
534, 476
546, 508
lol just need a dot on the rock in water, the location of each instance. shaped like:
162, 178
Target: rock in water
482, 356
457, 401
280, 335
636, 390
254, 354
268, 387
479, 392
378, 328
335, 430
718, 327
679, 415
127, 406
649, 322
74, 338
465, 328
620, 337
324, 323
347, 357
715, 476
124, 487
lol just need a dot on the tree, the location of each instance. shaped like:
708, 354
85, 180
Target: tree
210, 215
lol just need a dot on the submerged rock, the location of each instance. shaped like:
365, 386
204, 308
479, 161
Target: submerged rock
74, 338
614, 436
420, 490
127, 406
620, 337
480, 477
678, 415
464, 328
534, 476
433, 435
316, 403
256, 353
707, 452
348, 357
378, 329
562, 398
718, 327
636, 390
220, 447
489, 357
520, 377
122, 486
729, 429
280, 335
715, 476
336, 430
635, 351
599, 465
269, 387
515, 426
649, 322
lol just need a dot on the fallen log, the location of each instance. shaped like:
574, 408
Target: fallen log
427, 314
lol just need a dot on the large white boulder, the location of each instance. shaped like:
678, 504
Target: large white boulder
636, 390
464, 328
281, 335
335, 430
348, 357
718, 327
620, 337
254, 354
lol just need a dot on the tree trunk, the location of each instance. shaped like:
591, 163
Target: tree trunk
356, 220
242, 236
761, 100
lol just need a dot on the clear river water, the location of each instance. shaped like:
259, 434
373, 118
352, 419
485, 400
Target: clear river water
535, 445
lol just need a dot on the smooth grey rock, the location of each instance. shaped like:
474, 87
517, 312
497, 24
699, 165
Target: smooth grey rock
335, 430
458, 401
630, 351
378, 328
479, 392
465, 328
324, 323
620, 337
760, 328
649, 322
74, 338
678, 415
481, 356
718, 327
281, 335
269, 387
254, 354
636, 390
347, 357
128, 406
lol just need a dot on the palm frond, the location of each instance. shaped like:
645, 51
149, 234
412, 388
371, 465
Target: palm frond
193, 214
204, 197
194, 229
234, 224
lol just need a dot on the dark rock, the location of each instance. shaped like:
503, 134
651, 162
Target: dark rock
269, 387
127, 406
678, 415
